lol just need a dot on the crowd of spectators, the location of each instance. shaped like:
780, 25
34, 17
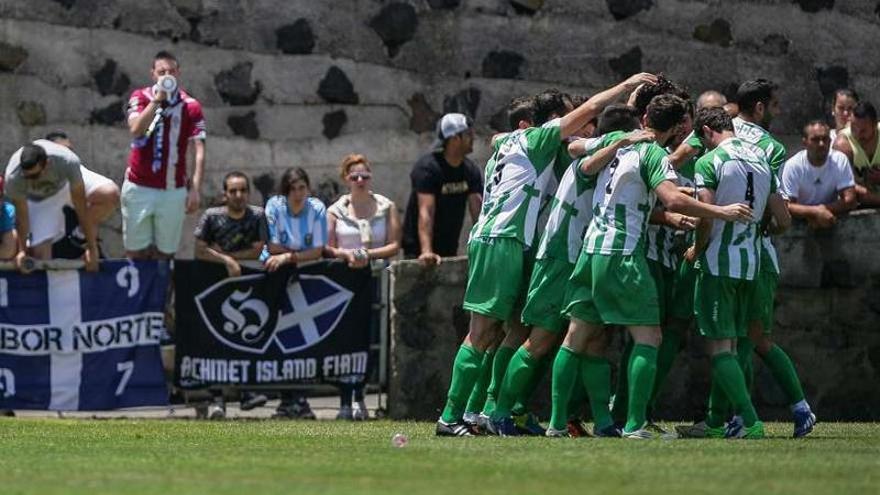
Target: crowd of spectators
54, 204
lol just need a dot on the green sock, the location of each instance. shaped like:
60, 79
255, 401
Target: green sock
478, 395
522, 401
783, 370
745, 356
578, 398
666, 355
729, 376
566, 369
499, 367
465, 371
519, 374
719, 406
642, 370
596, 376
621, 392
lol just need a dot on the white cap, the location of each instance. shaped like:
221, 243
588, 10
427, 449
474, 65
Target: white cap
450, 125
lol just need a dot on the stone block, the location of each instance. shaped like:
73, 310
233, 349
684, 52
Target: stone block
31, 113
11, 56
296, 38
235, 85
395, 24
335, 87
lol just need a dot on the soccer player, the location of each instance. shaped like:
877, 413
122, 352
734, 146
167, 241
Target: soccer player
818, 182
729, 256
611, 283
558, 248
520, 115
861, 138
662, 253
758, 105
517, 176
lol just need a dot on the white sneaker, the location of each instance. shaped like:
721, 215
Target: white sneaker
640, 434
550, 432
344, 413
360, 412
216, 412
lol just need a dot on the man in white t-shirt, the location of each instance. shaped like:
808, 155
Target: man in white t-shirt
818, 182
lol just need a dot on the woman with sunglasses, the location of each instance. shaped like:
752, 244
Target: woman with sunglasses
362, 226
297, 224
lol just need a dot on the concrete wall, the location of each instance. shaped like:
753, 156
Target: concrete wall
303, 82
827, 317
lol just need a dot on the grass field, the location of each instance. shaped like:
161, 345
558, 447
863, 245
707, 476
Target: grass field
48, 456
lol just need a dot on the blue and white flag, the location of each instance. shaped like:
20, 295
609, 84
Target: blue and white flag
72, 340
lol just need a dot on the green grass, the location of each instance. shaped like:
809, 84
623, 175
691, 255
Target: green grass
44, 456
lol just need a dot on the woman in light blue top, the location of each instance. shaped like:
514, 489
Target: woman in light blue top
297, 233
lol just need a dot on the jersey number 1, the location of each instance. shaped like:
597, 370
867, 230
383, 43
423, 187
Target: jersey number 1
750, 189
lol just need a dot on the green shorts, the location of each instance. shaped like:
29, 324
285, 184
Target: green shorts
664, 279
682, 307
546, 295
495, 276
613, 289
722, 306
763, 298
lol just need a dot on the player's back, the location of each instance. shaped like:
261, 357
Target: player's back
739, 173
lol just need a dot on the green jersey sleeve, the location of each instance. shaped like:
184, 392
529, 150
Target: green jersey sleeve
655, 166
704, 172
776, 154
543, 143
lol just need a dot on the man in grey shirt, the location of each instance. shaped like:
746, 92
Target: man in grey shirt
41, 178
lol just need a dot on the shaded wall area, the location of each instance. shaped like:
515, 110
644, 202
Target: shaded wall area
827, 319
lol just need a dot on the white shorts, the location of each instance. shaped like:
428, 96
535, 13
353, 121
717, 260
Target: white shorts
46, 217
152, 216
93, 180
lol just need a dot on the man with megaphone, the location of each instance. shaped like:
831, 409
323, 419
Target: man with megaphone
156, 194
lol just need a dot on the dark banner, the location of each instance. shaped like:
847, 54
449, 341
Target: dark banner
294, 326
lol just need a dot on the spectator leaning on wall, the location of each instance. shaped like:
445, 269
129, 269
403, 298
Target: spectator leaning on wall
297, 233
8, 235
227, 234
444, 182
818, 182
861, 144
362, 226
163, 119
42, 178
102, 199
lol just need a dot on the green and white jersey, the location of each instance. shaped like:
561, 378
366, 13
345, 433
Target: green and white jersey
625, 195
738, 172
775, 151
661, 245
570, 213
517, 177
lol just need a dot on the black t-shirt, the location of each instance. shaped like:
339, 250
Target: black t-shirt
232, 234
451, 186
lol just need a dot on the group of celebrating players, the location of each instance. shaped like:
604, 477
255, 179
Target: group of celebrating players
661, 218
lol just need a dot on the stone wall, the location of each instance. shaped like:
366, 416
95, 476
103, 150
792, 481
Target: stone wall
303, 82
827, 318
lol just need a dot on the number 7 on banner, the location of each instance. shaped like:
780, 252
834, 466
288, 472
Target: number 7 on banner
126, 368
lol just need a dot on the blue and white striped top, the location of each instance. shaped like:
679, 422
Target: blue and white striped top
306, 230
